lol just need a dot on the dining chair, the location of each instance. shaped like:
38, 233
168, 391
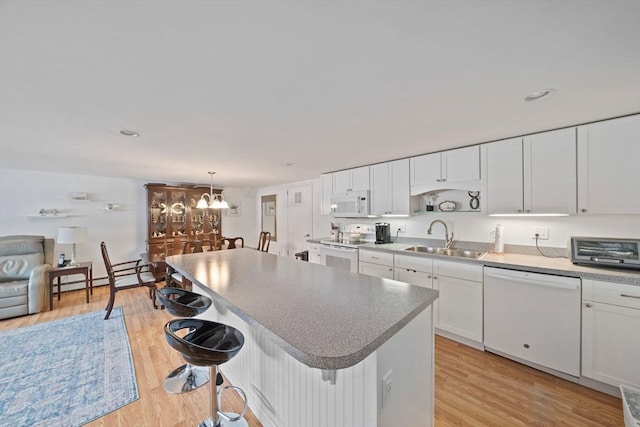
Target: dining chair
126, 275
264, 241
195, 246
232, 242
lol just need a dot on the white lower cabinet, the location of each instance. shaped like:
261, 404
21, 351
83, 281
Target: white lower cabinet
458, 309
314, 254
373, 263
416, 271
611, 332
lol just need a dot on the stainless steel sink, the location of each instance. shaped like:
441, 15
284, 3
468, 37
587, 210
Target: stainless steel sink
424, 249
460, 253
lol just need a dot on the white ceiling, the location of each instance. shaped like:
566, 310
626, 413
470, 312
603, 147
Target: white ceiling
243, 87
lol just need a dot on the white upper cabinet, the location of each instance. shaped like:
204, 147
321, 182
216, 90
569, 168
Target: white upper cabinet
326, 180
390, 188
608, 178
351, 180
503, 175
532, 175
550, 172
453, 169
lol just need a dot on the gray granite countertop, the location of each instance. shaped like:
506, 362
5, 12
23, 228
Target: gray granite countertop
533, 263
323, 317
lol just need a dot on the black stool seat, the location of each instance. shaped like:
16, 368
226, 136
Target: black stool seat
181, 303
206, 344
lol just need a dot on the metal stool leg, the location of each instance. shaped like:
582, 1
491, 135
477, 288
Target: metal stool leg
217, 417
186, 378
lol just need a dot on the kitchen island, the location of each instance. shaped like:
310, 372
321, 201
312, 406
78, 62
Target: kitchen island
320, 342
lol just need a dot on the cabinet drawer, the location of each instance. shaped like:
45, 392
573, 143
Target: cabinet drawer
381, 258
459, 270
414, 263
611, 293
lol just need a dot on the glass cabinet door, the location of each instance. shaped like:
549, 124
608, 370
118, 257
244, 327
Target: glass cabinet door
178, 213
158, 214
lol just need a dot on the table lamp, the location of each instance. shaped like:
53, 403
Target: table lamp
72, 235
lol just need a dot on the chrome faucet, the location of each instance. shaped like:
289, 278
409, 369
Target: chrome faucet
446, 232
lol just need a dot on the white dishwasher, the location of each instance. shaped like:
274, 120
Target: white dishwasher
533, 318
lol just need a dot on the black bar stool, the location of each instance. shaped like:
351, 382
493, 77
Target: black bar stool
209, 344
181, 303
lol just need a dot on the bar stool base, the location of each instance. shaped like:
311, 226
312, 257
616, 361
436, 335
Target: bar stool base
225, 423
186, 378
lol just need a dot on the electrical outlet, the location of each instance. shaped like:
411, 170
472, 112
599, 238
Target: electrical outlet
542, 232
386, 388
401, 228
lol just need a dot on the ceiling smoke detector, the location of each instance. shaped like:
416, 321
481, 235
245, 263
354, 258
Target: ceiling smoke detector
534, 96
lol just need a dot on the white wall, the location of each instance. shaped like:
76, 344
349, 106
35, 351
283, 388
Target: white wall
476, 227
124, 230
24, 193
243, 225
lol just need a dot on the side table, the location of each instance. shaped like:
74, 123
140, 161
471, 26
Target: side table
84, 268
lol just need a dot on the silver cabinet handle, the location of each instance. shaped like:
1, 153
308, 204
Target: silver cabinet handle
583, 210
435, 277
429, 277
588, 305
444, 179
374, 257
629, 296
519, 210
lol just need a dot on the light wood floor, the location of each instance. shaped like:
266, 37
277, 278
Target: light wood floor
472, 387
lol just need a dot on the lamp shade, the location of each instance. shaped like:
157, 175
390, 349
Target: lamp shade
72, 234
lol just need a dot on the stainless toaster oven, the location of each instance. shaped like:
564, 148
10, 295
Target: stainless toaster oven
601, 251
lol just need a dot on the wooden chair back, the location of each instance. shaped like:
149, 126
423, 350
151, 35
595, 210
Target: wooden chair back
195, 246
264, 241
232, 242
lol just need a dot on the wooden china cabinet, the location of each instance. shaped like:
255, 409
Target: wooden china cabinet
173, 219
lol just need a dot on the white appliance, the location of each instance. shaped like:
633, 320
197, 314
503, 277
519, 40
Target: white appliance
339, 255
351, 204
533, 318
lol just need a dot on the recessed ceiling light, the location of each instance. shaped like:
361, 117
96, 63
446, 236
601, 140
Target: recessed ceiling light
127, 132
534, 96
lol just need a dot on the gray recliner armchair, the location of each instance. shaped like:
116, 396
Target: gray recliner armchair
25, 262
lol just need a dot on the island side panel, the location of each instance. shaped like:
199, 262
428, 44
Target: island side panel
283, 392
409, 358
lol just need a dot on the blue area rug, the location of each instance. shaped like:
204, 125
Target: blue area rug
66, 372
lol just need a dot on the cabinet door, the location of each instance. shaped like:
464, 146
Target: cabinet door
425, 170
413, 277
459, 308
381, 203
326, 181
314, 254
462, 164
376, 270
611, 343
504, 176
342, 181
360, 178
390, 188
608, 153
550, 172
400, 196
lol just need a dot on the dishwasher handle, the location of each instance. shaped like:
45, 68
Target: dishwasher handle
532, 282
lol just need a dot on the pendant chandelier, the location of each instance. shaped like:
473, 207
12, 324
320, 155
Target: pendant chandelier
216, 201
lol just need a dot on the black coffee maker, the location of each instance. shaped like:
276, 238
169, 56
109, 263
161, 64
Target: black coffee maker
383, 232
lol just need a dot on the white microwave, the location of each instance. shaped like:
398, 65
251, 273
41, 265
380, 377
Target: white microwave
351, 204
